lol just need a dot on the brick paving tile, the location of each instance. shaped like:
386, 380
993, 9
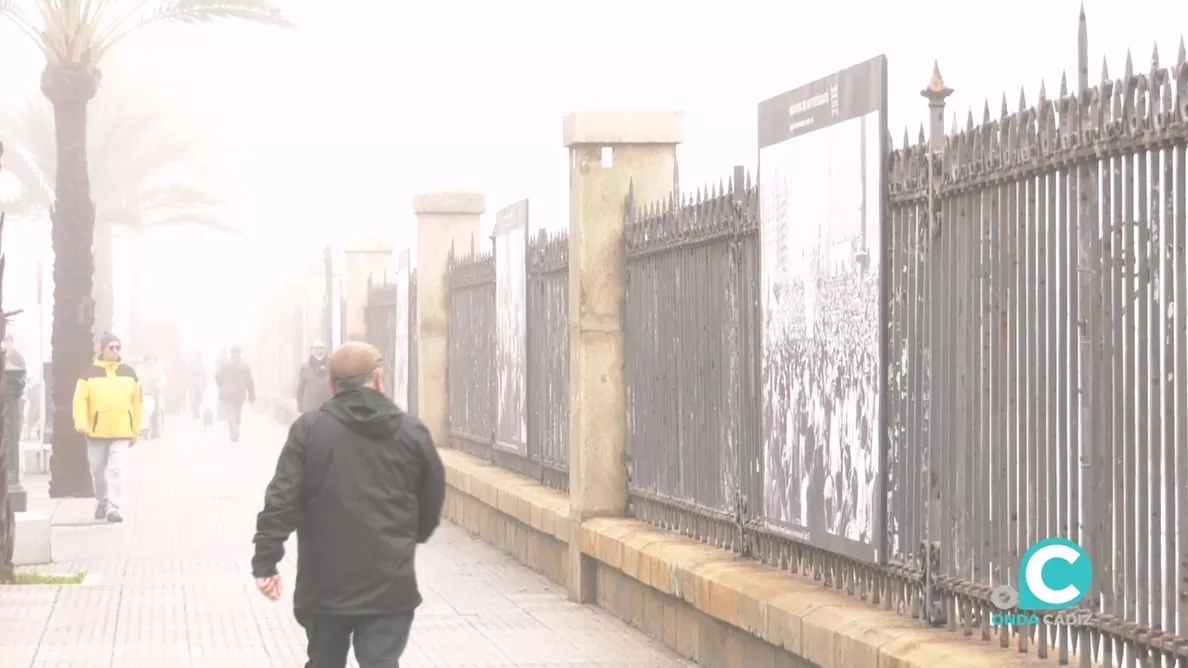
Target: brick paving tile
170, 587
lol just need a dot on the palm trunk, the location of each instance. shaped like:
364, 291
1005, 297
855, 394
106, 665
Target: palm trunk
104, 292
70, 88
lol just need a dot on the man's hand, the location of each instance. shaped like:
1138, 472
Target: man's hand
271, 587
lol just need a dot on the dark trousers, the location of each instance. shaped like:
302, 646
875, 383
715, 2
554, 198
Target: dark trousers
378, 640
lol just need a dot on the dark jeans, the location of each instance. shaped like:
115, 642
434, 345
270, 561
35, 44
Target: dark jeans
378, 641
233, 411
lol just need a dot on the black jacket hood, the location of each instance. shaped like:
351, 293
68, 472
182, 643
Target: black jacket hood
366, 412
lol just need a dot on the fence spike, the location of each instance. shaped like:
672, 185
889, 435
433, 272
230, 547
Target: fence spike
1155, 57
1064, 84
1181, 54
969, 122
985, 113
921, 137
1005, 111
1128, 70
936, 83
953, 126
1105, 67
1043, 94
906, 141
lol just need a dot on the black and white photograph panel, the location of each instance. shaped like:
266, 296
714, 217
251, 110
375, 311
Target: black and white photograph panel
822, 196
511, 300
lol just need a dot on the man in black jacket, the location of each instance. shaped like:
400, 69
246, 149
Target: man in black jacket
361, 482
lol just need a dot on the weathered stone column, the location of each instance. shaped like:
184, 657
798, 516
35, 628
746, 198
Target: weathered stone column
445, 220
608, 152
367, 261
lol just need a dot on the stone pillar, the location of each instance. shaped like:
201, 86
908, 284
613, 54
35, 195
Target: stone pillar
608, 152
367, 261
445, 220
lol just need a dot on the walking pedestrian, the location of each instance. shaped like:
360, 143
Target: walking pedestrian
234, 380
195, 383
362, 484
313, 381
152, 386
107, 409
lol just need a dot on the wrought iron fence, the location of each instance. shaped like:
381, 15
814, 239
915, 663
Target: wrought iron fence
473, 374
1033, 276
548, 357
1037, 379
693, 412
380, 318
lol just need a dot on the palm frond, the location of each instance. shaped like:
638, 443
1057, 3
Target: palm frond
176, 195
169, 204
190, 12
36, 188
15, 13
185, 217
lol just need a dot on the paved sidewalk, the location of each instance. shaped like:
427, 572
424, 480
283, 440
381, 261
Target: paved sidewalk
172, 589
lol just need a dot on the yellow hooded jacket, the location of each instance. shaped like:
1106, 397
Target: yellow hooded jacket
107, 401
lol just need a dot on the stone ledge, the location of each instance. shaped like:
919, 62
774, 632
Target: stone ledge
450, 202
611, 127
808, 622
369, 245
531, 503
799, 615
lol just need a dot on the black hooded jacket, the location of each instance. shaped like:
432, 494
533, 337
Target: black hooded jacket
361, 483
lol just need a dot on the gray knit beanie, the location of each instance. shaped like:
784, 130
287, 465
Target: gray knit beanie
107, 339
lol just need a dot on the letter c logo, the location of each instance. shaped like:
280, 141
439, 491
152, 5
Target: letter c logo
1054, 574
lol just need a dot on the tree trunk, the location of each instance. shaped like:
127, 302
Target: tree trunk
69, 89
104, 291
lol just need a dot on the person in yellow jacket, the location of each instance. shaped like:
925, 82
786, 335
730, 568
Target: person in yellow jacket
107, 409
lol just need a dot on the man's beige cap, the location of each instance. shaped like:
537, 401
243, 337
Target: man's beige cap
354, 359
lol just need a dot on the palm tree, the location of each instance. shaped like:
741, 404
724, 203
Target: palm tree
74, 36
140, 153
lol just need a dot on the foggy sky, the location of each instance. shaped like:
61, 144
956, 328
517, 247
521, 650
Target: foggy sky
324, 132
